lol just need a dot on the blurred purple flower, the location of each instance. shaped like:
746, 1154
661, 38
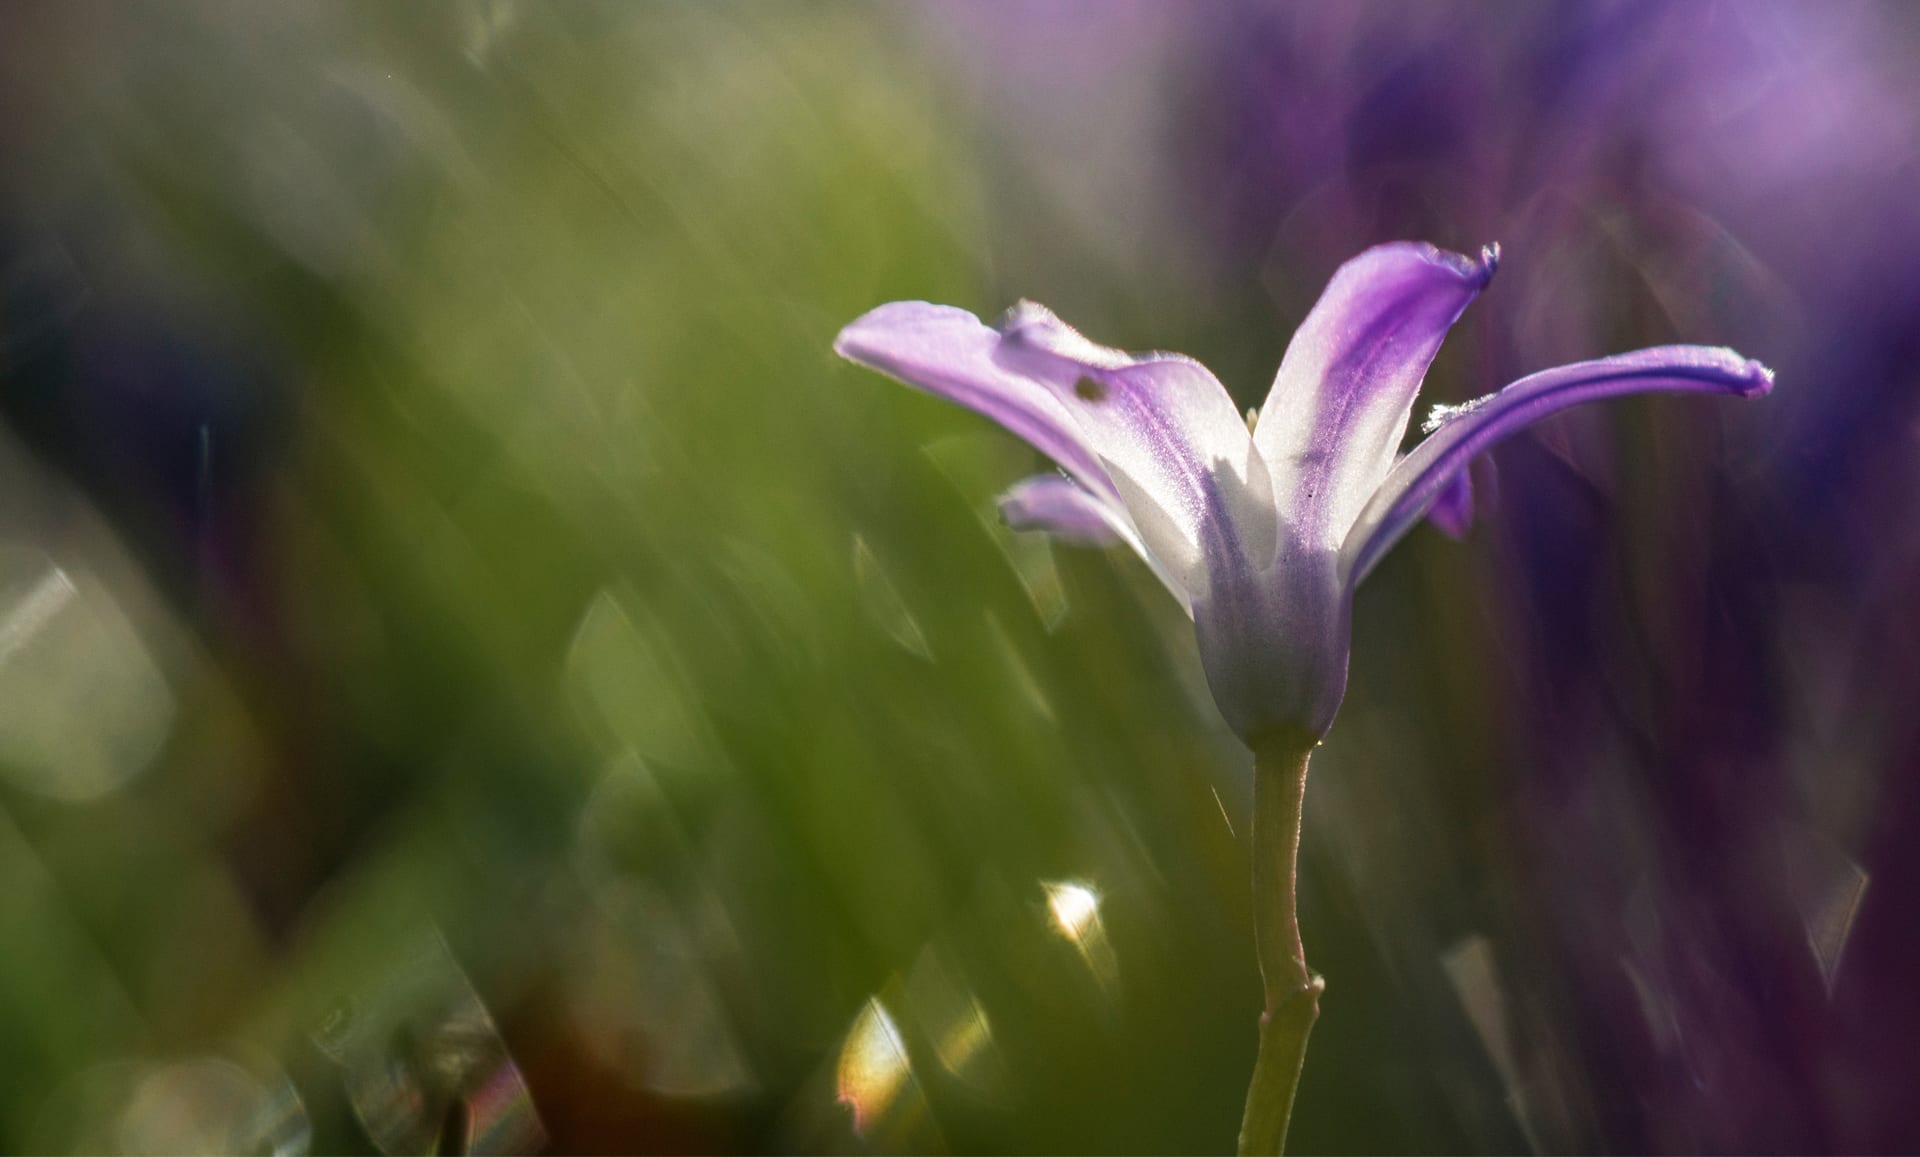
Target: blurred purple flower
1261, 529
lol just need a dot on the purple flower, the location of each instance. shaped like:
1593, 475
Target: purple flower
1261, 529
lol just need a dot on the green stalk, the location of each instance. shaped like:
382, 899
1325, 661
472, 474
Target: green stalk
1292, 990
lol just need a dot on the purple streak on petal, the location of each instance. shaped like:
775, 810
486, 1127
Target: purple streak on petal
1417, 482
1452, 512
1063, 508
1339, 405
947, 352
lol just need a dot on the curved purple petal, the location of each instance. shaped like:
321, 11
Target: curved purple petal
1154, 434
947, 352
1339, 405
1419, 479
1061, 507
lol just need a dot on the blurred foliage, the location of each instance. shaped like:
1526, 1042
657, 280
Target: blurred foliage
590, 613
477, 672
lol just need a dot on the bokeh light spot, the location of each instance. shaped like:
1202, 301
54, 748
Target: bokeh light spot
873, 1069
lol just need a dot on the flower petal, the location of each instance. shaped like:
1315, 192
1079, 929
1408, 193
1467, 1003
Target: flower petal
1156, 433
947, 352
1452, 510
1420, 478
1339, 405
1061, 507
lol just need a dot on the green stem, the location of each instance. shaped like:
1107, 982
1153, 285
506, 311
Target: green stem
1292, 991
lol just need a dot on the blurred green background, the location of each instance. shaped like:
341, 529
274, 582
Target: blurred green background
577, 611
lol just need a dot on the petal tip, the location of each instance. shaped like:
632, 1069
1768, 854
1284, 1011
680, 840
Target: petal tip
1476, 272
1489, 261
1012, 507
1750, 377
1388, 259
843, 341
868, 338
847, 343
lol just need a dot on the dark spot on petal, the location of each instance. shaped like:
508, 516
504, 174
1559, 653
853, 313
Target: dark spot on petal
1090, 390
